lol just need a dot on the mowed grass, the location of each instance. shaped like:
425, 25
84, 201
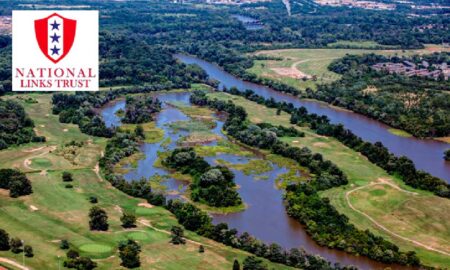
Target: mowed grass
316, 62
420, 217
361, 172
54, 212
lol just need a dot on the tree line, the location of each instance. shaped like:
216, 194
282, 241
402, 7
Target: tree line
377, 153
15, 244
322, 221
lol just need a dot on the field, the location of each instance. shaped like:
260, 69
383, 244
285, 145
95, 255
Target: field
54, 212
312, 64
413, 219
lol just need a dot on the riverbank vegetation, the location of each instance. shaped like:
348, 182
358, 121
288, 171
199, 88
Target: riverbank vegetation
418, 105
400, 218
320, 218
376, 153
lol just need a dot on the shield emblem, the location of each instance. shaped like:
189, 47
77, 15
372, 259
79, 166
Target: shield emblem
55, 36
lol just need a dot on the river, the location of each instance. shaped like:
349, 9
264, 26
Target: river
427, 154
265, 216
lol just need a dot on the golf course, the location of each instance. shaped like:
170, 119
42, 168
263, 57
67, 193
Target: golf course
54, 211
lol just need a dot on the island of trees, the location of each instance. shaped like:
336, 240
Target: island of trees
213, 186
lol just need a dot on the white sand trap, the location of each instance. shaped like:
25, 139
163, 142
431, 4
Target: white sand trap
65, 130
33, 208
146, 205
294, 141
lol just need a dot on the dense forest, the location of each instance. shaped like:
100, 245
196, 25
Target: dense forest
322, 221
16, 127
416, 104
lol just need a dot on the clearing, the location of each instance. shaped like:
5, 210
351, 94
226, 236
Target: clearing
303, 68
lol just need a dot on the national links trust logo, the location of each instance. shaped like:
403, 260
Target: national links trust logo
55, 50
55, 36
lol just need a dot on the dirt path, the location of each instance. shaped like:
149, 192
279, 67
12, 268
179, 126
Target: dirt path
383, 181
27, 161
96, 169
147, 223
14, 263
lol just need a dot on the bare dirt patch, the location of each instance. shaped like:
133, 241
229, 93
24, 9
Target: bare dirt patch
146, 205
321, 145
291, 73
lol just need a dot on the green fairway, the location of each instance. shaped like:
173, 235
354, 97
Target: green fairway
418, 217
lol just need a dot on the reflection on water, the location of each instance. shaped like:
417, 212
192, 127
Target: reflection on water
265, 216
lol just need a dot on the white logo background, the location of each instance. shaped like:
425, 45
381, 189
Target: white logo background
26, 53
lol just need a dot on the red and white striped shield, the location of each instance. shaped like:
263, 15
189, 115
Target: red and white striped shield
55, 36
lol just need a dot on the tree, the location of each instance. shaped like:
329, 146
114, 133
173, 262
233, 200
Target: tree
139, 131
177, 235
201, 249
4, 240
236, 265
447, 155
16, 245
19, 186
253, 263
128, 220
98, 219
67, 177
28, 251
72, 254
93, 199
129, 253
64, 244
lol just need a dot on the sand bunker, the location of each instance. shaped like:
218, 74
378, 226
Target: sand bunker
291, 73
146, 205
